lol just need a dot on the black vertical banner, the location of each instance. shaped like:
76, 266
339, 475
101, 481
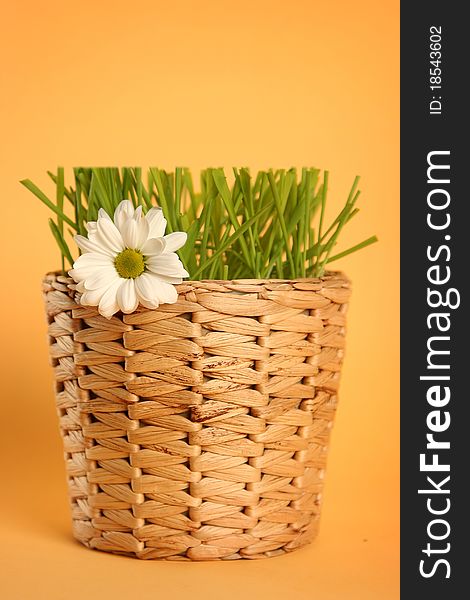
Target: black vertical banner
435, 269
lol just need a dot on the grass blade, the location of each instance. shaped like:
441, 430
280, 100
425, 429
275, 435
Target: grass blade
280, 215
60, 241
271, 224
235, 236
60, 190
39, 194
355, 248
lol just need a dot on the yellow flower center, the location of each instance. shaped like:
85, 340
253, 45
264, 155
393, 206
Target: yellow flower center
129, 263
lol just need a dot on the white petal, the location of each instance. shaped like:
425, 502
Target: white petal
166, 293
152, 290
92, 297
135, 233
153, 247
75, 275
126, 296
166, 264
108, 304
93, 259
123, 212
101, 278
156, 221
148, 304
138, 213
102, 214
145, 291
90, 226
175, 241
143, 231
91, 245
88, 264
168, 278
108, 235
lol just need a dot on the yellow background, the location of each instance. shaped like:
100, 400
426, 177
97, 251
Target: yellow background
203, 83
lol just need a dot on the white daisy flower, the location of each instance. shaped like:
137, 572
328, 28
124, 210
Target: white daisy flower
128, 261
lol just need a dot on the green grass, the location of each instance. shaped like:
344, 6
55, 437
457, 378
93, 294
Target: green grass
267, 225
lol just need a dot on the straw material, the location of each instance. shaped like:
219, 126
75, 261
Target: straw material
199, 430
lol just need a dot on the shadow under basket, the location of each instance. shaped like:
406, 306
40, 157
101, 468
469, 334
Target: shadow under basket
199, 430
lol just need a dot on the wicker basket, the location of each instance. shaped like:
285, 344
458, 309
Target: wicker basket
199, 430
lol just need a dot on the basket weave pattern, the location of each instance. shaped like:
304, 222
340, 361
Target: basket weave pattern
199, 430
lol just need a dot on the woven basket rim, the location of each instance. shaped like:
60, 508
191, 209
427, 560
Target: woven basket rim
326, 276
